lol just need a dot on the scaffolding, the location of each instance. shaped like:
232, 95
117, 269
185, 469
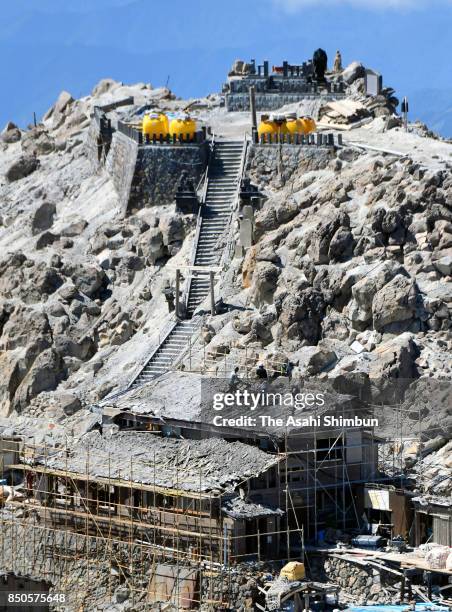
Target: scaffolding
120, 533
123, 533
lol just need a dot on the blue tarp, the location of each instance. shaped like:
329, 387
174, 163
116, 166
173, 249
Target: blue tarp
420, 607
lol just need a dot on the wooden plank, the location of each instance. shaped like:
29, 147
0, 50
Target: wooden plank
114, 481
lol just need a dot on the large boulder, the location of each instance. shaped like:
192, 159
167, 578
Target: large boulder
301, 316
75, 228
363, 292
66, 347
265, 278
444, 265
395, 359
104, 86
151, 245
10, 367
395, 303
172, 228
10, 133
42, 218
341, 245
22, 325
354, 71
319, 248
27, 279
89, 279
43, 375
46, 239
61, 108
313, 359
37, 141
68, 403
22, 167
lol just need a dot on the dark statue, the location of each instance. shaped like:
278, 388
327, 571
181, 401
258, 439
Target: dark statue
320, 61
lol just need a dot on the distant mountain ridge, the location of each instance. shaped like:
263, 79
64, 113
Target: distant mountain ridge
433, 107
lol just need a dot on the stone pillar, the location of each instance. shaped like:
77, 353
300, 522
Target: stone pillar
212, 295
177, 293
253, 109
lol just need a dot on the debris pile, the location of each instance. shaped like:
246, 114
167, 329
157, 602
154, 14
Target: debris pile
209, 465
344, 114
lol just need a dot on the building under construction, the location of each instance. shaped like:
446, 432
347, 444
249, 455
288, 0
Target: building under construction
168, 511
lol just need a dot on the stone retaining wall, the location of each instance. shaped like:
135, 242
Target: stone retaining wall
364, 584
158, 169
272, 101
58, 557
275, 163
238, 587
144, 175
115, 567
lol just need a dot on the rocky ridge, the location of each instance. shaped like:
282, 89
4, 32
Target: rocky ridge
349, 278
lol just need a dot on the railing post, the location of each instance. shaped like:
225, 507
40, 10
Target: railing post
212, 296
177, 292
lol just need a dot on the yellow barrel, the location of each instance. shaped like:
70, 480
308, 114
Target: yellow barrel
272, 127
308, 125
155, 125
293, 126
184, 126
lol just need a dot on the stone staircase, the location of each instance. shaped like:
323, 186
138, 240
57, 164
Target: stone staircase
222, 184
170, 348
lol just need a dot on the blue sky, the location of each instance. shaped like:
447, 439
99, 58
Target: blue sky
50, 45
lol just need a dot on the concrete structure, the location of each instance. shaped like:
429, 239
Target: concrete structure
281, 85
373, 82
144, 172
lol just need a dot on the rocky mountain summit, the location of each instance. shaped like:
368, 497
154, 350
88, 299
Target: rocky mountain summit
350, 276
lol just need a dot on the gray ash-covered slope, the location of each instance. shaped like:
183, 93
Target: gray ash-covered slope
77, 279
349, 276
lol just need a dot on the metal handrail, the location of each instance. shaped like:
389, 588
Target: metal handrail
198, 322
200, 184
230, 235
162, 336
194, 248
